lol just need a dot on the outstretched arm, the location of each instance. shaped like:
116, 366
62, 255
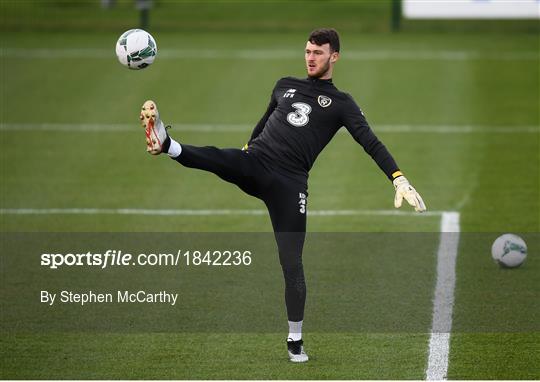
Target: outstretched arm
357, 125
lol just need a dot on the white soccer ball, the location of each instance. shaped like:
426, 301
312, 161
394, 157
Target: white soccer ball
136, 49
509, 250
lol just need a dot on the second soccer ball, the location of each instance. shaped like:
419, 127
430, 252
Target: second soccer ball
509, 250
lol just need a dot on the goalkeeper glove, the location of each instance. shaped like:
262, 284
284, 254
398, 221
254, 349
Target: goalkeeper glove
405, 190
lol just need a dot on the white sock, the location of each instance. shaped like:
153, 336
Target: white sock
174, 149
295, 330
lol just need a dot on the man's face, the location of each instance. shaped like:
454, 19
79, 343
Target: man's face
319, 60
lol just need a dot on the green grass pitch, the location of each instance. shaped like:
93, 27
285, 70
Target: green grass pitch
459, 111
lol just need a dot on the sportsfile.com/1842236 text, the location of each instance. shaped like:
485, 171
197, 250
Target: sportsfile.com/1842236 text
120, 258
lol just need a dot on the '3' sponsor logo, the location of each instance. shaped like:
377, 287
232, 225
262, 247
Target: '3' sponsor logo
299, 117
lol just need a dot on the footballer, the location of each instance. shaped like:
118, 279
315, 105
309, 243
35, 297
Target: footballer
302, 117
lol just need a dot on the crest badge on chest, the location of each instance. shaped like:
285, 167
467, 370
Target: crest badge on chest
324, 101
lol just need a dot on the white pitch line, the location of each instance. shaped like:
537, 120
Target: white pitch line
202, 212
121, 127
443, 302
456, 129
275, 54
234, 128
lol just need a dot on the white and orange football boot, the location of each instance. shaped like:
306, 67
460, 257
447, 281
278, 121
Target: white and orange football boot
155, 130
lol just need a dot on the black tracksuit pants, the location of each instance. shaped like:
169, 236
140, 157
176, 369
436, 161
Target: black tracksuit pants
285, 199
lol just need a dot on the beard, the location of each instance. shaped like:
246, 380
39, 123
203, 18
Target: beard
322, 71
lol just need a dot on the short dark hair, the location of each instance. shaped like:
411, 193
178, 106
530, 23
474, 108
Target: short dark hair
325, 36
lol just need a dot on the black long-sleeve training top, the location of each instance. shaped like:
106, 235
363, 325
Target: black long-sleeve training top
302, 117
